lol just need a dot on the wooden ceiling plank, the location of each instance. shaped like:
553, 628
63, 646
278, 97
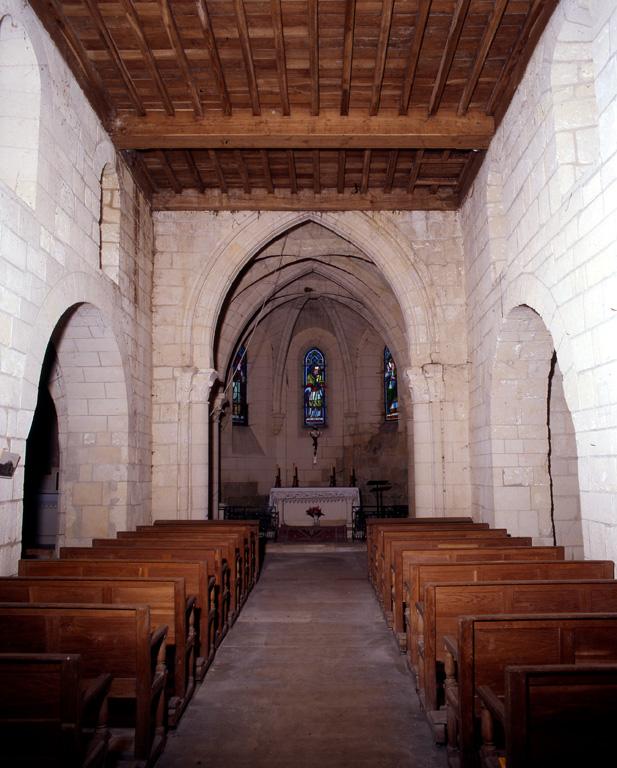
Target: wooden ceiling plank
247, 55
169, 171
456, 27
422, 15
366, 171
514, 68
382, 51
190, 161
293, 179
316, 172
213, 157
213, 52
392, 163
279, 48
348, 38
243, 171
328, 200
62, 33
115, 56
171, 27
468, 173
485, 45
267, 173
303, 131
136, 25
313, 43
415, 170
340, 176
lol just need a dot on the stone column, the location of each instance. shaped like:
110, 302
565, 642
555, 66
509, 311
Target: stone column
427, 397
216, 415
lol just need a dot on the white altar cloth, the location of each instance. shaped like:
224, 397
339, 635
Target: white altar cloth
335, 503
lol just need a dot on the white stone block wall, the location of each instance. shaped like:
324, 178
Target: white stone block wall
49, 262
539, 229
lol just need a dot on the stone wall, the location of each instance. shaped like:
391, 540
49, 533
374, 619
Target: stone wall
539, 232
50, 265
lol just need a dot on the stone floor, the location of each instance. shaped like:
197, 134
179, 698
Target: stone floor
309, 677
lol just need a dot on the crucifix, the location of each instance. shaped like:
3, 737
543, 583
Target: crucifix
315, 434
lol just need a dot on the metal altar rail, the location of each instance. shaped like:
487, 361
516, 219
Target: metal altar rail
267, 516
361, 513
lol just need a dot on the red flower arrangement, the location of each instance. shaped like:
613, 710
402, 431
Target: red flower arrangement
314, 512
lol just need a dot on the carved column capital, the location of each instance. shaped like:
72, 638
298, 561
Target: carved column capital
426, 383
202, 384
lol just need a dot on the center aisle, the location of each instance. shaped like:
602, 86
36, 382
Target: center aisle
308, 677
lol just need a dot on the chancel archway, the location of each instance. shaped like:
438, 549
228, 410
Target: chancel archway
311, 288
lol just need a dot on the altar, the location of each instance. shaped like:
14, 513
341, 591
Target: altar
336, 505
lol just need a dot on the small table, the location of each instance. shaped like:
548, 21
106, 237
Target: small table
378, 487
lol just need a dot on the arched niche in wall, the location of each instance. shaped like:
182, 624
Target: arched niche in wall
20, 103
533, 446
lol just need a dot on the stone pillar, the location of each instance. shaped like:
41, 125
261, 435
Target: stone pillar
427, 398
193, 389
216, 415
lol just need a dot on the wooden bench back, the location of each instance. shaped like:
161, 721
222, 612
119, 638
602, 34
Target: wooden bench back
445, 603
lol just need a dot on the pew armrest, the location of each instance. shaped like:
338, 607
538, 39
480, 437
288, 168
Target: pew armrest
191, 601
451, 646
492, 702
95, 693
420, 608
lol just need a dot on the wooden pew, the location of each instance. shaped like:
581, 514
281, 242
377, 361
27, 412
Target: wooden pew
220, 549
50, 717
444, 603
237, 550
164, 597
485, 645
200, 589
392, 580
211, 557
464, 554
251, 526
110, 639
422, 574
559, 714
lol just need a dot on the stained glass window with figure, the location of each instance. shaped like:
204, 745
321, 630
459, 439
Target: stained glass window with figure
314, 388
390, 386
239, 403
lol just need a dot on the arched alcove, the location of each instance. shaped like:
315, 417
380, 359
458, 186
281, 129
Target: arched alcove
533, 447
20, 97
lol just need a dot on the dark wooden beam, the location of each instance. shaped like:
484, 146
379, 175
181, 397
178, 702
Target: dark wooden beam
247, 54
328, 200
140, 172
348, 36
485, 45
422, 14
213, 157
313, 43
61, 32
392, 163
136, 25
190, 161
279, 49
169, 172
415, 170
243, 171
170, 25
114, 54
469, 173
340, 176
303, 131
267, 174
316, 173
456, 27
291, 165
380, 58
213, 52
366, 171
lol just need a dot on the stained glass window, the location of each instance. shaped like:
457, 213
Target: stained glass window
314, 388
390, 387
239, 404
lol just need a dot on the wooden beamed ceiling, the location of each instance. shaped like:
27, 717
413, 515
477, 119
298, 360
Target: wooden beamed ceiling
300, 104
